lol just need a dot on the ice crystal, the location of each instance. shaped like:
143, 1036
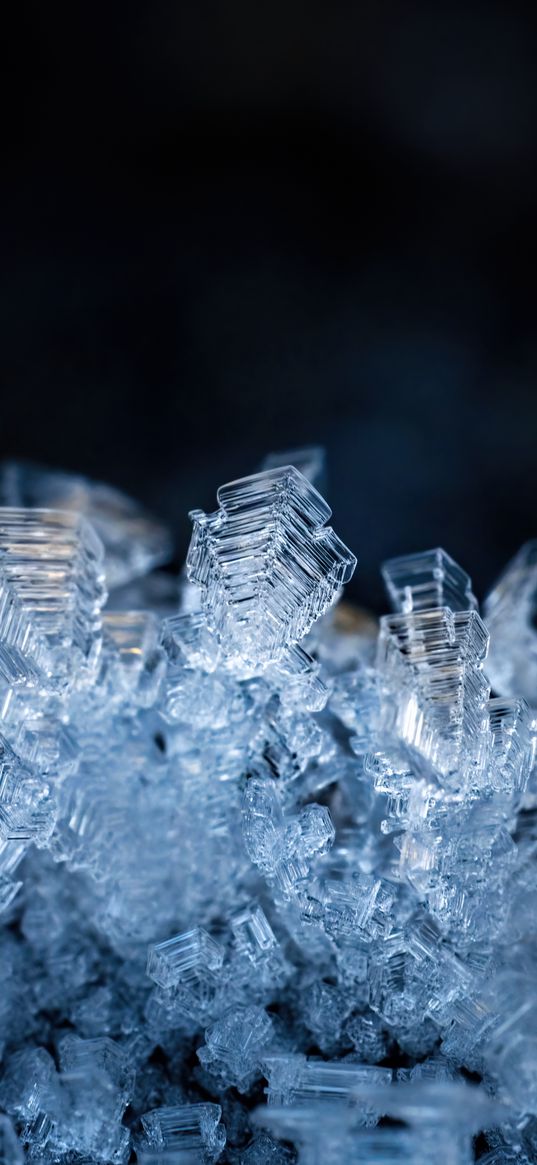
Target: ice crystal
421, 582
510, 610
191, 1132
267, 874
267, 564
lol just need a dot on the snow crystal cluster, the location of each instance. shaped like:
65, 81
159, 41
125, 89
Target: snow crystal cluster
268, 873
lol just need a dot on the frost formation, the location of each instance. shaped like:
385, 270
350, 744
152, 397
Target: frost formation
267, 874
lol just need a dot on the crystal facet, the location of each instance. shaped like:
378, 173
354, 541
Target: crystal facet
267, 564
267, 873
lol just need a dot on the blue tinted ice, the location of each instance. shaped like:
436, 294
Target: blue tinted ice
193, 1129
420, 582
186, 958
267, 879
235, 1045
510, 614
267, 564
51, 586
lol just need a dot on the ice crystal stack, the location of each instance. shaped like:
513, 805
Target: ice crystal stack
267, 874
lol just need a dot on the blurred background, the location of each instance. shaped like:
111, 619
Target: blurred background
234, 228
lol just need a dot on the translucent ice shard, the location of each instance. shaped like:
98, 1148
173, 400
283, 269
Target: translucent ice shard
355, 700
74, 1114
188, 1128
27, 809
235, 1044
355, 906
421, 582
135, 666
435, 692
134, 541
257, 950
510, 614
253, 933
188, 642
511, 744
104, 1056
51, 589
324, 1010
267, 565
27, 1084
283, 848
298, 680
188, 958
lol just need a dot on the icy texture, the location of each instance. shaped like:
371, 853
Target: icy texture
235, 1044
434, 691
267, 564
51, 594
510, 612
134, 542
267, 883
192, 1132
420, 582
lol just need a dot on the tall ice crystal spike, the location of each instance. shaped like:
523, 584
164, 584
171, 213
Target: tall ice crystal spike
267, 564
420, 582
435, 694
51, 591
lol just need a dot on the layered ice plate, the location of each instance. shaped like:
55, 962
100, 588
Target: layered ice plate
267, 880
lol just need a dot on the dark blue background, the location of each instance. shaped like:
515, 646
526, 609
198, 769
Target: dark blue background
237, 227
